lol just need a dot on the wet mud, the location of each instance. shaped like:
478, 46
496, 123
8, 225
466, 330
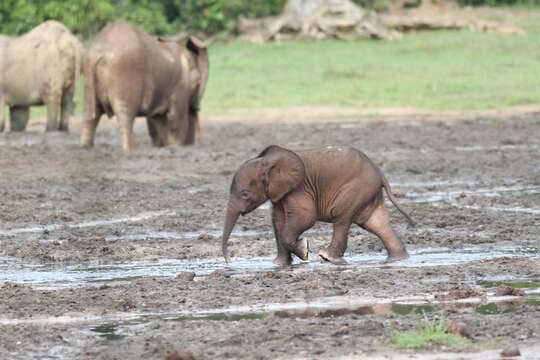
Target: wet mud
106, 255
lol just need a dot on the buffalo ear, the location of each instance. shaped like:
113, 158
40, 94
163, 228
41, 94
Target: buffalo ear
283, 171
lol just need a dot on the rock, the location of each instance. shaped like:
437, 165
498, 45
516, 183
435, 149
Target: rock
459, 293
204, 236
179, 355
505, 290
510, 351
219, 274
185, 275
459, 328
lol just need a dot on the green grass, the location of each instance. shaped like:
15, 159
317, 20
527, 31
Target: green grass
446, 70
428, 333
429, 70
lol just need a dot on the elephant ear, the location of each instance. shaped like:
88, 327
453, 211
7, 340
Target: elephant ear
200, 50
283, 171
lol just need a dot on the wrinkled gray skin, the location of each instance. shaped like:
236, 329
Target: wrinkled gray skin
39, 68
339, 185
130, 73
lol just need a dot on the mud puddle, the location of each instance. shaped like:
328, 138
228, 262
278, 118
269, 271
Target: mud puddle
118, 325
452, 196
51, 276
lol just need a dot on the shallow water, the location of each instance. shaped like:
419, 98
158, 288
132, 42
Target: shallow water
80, 274
451, 196
107, 325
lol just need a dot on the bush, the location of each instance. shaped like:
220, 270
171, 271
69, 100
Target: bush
160, 17
86, 17
213, 16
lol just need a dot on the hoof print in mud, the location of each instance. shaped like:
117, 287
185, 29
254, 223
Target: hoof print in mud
505, 290
185, 276
219, 274
510, 352
179, 355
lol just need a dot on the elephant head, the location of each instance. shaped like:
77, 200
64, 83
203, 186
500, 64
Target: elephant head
271, 175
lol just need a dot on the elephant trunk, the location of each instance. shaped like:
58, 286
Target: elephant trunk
230, 221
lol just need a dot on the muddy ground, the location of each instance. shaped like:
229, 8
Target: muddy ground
112, 256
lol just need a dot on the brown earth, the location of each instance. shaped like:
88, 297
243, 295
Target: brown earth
159, 204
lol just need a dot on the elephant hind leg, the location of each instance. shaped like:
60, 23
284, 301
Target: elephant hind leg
19, 116
378, 224
157, 128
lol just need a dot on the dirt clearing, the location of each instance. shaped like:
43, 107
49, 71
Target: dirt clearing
111, 256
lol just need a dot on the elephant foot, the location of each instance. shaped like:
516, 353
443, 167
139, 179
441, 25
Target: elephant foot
282, 261
51, 128
397, 256
87, 144
302, 249
326, 255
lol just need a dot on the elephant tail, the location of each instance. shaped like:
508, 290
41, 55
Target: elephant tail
90, 86
388, 190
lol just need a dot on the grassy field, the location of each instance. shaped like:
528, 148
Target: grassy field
430, 70
447, 70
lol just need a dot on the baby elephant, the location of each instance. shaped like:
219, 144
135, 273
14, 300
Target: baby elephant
339, 185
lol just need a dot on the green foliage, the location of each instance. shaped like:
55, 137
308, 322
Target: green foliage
156, 16
214, 16
497, 2
17, 16
427, 333
438, 70
148, 14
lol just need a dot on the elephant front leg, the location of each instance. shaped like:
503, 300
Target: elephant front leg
2, 114
283, 257
193, 128
334, 252
297, 220
89, 129
19, 116
53, 113
157, 128
178, 122
126, 128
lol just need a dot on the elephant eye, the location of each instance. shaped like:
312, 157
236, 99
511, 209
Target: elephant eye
244, 194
